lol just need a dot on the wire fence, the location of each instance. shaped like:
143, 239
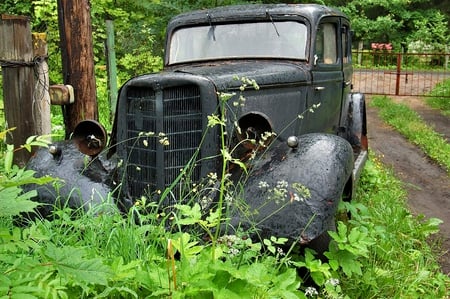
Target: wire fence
401, 74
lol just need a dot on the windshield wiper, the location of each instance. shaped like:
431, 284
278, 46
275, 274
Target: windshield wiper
273, 23
212, 28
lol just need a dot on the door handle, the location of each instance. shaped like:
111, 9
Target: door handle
319, 88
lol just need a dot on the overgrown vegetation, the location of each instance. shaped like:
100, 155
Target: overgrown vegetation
400, 264
411, 125
382, 252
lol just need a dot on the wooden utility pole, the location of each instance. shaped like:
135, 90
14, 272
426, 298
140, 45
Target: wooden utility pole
18, 66
78, 61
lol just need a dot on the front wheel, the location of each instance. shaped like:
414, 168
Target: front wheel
322, 242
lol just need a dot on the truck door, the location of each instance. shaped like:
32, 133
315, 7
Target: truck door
347, 69
327, 76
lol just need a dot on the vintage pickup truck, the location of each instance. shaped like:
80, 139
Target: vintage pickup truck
301, 132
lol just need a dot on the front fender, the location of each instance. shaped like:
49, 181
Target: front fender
276, 204
83, 181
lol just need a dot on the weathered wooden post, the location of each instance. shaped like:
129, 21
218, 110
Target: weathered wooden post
360, 51
77, 61
16, 57
41, 97
111, 66
447, 56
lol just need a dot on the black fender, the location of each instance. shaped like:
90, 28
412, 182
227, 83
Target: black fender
356, 122
83, 180
322, 163
356, 134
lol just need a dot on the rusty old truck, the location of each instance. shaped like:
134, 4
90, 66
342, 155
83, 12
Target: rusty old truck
278, 81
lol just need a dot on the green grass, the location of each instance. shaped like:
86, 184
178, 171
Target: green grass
402, 262
439, 102
412, 126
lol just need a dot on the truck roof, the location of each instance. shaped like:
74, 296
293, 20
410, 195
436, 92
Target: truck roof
312, 12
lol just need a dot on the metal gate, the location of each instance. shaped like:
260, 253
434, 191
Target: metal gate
401, 74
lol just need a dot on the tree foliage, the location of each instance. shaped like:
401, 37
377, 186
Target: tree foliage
400, 22
140, 25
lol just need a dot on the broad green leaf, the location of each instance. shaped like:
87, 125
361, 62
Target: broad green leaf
288, 280
189, 215
9, 155
13, 204
72, 263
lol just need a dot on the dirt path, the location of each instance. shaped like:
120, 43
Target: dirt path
427, 184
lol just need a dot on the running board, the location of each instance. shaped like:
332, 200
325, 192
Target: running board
359, 164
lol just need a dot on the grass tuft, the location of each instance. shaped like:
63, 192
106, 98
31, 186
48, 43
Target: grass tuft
438, 101
411, 125
402, 263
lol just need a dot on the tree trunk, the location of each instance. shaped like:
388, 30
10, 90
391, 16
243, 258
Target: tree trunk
78, 61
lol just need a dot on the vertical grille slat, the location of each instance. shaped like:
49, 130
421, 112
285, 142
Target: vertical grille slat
181, 120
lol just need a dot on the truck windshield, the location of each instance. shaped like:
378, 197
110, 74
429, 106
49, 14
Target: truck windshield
244, 40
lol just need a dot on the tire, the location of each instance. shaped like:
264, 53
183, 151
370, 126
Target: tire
322, 242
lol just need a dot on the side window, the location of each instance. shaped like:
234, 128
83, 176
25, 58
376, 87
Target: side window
346, 48
326, 45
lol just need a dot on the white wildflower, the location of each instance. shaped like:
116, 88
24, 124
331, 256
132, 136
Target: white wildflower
311, 291
280, 251
282, 184
233, 251
263, 185
297, 198
333, 281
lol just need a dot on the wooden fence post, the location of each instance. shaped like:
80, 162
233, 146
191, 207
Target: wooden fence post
111, 66
446, 57
41, 98
16, 58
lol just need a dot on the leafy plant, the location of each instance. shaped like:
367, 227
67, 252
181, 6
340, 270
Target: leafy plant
348, 248
13, 201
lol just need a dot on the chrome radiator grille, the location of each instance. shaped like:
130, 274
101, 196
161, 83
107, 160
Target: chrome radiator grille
174, 113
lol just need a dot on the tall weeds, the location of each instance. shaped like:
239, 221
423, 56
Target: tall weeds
381, 252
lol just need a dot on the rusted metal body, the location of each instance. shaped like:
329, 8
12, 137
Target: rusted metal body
323, 151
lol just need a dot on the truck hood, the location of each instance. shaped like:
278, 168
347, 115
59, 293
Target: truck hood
265, 73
